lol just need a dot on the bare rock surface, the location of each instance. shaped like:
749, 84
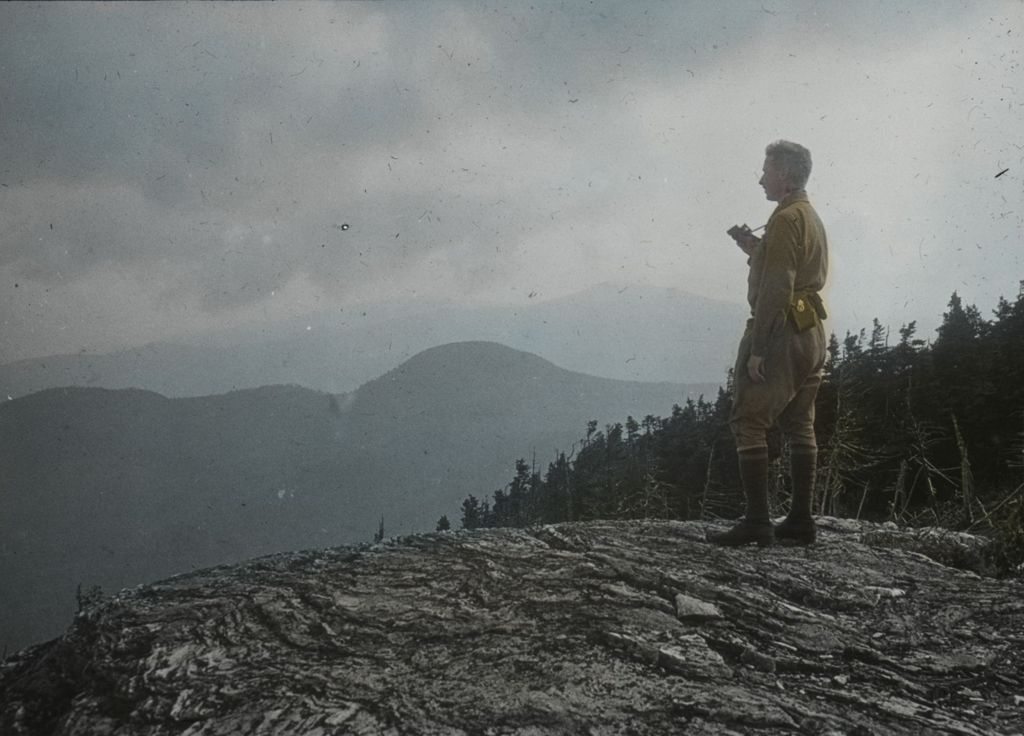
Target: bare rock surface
596, 628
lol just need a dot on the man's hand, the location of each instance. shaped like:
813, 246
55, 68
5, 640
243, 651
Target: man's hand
748, 243
744, 238
755, 368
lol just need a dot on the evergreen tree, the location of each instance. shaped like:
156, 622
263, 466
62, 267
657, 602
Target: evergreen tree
473, 514
906, 431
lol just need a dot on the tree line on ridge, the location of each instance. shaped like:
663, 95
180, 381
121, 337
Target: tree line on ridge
914, 431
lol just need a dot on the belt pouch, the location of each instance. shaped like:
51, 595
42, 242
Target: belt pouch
802, 314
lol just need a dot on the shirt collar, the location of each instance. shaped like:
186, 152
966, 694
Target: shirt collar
797, 195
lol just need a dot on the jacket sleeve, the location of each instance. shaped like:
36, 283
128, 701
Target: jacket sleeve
775, 292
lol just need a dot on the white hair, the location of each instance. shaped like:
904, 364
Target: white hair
792, 159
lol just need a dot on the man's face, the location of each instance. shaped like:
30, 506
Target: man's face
773, 181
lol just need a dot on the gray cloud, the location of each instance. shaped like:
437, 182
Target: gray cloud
210, 152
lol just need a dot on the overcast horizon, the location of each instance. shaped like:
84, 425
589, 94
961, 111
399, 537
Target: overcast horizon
171, 169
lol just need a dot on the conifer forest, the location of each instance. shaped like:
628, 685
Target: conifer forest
915, 431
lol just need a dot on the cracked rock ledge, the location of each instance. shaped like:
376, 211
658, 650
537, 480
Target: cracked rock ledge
635, 627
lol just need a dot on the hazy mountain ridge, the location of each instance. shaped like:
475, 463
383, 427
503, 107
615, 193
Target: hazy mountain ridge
628, 333
115, 487
110, 487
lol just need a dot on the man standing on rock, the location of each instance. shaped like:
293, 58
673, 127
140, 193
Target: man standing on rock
782, 353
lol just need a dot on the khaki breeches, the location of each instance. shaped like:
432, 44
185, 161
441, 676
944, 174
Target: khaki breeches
793, 369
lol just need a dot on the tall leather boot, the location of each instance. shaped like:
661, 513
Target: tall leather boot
798, 526
755, 527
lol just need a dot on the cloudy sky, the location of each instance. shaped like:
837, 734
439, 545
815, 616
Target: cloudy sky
168, 169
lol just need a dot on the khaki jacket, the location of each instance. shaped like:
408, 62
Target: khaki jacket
792, 257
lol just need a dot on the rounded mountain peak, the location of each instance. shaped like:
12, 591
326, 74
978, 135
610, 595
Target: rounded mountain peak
460, 368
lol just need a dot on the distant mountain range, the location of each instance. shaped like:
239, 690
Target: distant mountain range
118, 487
629, 333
